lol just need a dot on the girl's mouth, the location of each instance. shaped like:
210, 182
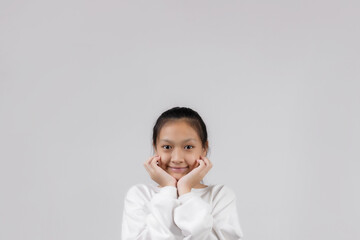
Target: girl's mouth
178, 170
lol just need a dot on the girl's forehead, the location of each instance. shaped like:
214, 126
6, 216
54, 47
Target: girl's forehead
178, 129
177, 126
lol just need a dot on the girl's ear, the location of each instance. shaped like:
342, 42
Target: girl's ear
205, 149
204, 153
154, 148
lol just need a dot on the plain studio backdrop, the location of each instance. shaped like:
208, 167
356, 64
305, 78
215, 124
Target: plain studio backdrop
82, 83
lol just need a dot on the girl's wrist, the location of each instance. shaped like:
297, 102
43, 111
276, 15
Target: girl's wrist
183, 190
168, 184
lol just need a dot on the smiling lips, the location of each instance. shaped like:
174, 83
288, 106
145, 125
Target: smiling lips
178, 170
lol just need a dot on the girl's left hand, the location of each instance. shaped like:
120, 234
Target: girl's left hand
194, 177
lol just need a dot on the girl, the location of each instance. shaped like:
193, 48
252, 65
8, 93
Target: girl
180, 206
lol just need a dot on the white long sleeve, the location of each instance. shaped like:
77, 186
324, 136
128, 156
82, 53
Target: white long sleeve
200, 220
154, 213
149, 215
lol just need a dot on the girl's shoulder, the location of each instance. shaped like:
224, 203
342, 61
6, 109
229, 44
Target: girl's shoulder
222, 191
140, 190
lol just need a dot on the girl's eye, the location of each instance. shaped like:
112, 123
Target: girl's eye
167, 147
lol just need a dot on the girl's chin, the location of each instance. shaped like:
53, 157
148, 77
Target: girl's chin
177, 176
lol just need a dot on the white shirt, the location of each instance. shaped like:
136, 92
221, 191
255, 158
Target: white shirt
154, 213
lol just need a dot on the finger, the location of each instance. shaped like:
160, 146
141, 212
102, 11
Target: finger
203, 169
201, 163
153, 163
149, 164
202, 158
146, 163
207, 162
196, 163
149, 159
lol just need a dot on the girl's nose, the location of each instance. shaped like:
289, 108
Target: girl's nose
176, 156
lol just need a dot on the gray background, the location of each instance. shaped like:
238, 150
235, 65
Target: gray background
82, 83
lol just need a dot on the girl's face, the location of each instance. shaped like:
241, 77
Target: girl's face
179, 146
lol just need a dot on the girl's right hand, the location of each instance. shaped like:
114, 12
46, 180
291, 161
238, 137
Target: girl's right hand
158, 174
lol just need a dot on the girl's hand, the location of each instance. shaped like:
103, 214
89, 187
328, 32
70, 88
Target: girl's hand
157, 173
194, 177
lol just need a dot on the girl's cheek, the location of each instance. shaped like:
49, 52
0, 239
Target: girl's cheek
195, 164
163, 163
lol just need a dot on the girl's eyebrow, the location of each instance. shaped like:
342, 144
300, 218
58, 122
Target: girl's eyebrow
186, 140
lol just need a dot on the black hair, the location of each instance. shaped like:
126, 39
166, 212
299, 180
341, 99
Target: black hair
189, 115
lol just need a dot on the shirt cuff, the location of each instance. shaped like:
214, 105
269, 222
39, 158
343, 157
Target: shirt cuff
185, 197
170, 191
